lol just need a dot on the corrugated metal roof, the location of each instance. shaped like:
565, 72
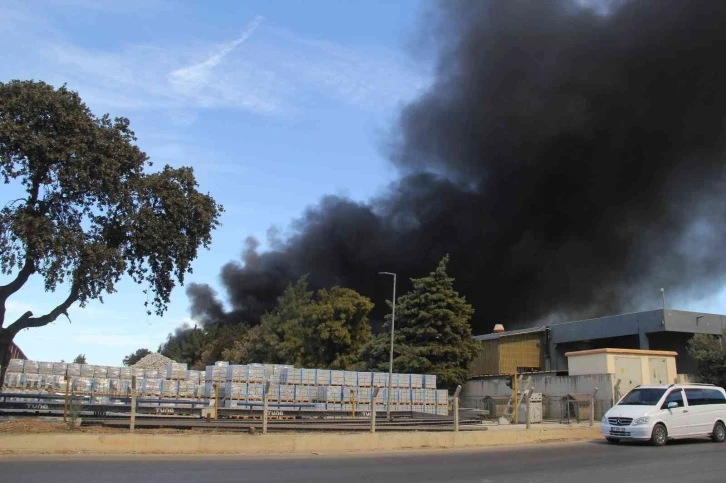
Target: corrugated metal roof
510, 333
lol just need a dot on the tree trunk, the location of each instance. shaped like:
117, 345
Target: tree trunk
6, 341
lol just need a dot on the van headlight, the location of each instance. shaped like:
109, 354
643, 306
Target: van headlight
605, 419
639, 421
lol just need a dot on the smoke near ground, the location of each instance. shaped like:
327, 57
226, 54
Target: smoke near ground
570, 162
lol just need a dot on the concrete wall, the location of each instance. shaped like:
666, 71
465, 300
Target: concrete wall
549, 386
587, 364
293, 443
474, 393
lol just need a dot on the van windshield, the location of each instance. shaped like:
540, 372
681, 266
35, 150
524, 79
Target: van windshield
642, 397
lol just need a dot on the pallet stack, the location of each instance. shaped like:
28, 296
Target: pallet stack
317, 389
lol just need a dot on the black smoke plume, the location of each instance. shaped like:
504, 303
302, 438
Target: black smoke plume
570, 161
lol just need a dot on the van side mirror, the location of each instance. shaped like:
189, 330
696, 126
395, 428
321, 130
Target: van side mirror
672, 404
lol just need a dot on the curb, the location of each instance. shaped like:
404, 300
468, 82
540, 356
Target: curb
280, 443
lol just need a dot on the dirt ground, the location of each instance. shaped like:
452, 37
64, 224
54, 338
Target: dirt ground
36, 425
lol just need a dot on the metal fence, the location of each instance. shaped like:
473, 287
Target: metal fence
555, 409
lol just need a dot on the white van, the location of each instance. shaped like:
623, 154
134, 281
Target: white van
659, 413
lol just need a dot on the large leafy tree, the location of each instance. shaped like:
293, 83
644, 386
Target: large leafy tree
89, 213
709, 351
327, 329
432, 333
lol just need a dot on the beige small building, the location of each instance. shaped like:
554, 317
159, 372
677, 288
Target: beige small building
632, 367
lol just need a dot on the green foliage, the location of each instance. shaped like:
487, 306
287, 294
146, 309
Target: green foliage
323, 330
135, 357
90, 213
186, 345
432, 331
327, 329
80, 359
709, 351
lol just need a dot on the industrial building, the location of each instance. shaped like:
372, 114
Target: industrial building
544, 349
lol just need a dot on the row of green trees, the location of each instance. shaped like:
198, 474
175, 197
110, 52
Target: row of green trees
329, 328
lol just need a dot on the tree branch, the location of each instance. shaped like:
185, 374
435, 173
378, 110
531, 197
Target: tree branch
27, 321
25, 273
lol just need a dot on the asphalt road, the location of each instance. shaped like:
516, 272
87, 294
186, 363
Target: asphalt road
680, 462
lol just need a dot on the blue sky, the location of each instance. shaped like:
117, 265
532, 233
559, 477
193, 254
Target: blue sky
274, 103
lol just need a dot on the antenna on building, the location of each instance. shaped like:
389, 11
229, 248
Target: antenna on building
662, 291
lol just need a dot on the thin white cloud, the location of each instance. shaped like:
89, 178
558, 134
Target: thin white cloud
197, 76
273, 72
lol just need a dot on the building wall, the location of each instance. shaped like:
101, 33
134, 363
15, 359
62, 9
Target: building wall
487, 360
521, 351
588, 364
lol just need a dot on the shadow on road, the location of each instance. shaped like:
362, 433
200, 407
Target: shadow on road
675, 442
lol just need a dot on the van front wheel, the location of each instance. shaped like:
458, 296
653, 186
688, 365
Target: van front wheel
719, 433
659, 437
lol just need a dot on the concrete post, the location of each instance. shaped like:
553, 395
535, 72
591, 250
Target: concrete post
265, 399
592, 407
133, 404
529, 407
515, 399
65, 405
352, 401
373, 409
456, 408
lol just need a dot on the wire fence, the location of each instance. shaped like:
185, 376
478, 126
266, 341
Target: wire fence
574, 408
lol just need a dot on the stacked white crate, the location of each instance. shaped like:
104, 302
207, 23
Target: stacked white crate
188, 389
322, 376
237, 373
429, 381
151, 374
350, 378
256, 373
30, 367
305, 393
329, 394
255, 390
82, 385
150, 387
60, 368
216, 373
380, 379
337, 378
74, 369
235, 390
291, 375
45, 368
365, 379
176, 371
16, 365
169, 388
330, 389
308, 376
287, 392
100, 372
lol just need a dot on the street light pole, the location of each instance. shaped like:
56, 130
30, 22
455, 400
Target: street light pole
390, 360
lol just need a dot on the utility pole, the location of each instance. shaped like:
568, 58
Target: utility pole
662, 291
390, 361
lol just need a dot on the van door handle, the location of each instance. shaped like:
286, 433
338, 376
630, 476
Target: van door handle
685, 410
